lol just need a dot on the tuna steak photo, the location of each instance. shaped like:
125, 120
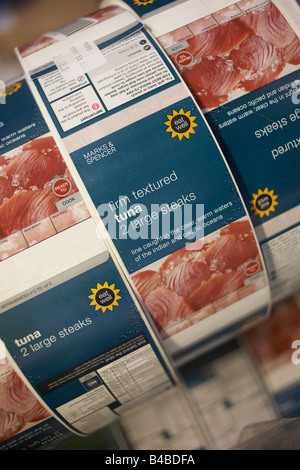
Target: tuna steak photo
19, 409
201, 279
29, 206
238, 56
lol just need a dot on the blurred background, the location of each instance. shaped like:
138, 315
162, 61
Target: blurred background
24, 20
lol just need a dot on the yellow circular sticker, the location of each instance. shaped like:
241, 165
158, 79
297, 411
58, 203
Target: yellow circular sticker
143, 2
181, 124
105, 297
10, 89
264, 202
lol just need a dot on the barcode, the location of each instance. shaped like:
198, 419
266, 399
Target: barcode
75, 26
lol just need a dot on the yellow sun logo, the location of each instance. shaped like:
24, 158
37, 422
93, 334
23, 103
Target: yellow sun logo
181, 124
10, 89
264, 202
105, 297
143, 2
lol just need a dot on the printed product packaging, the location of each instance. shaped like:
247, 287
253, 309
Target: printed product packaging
152, 176
241, 61
25, 424
229, 393
164, 423
80, 351
275, 347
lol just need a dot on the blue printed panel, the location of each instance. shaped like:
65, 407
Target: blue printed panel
68, 332
42, 436
151, 164
142, 7
259, 134
20, 118
288, 401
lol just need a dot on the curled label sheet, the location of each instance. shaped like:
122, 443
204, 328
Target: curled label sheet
154, 179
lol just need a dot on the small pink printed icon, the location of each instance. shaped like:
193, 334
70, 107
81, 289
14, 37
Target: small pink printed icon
96, 106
